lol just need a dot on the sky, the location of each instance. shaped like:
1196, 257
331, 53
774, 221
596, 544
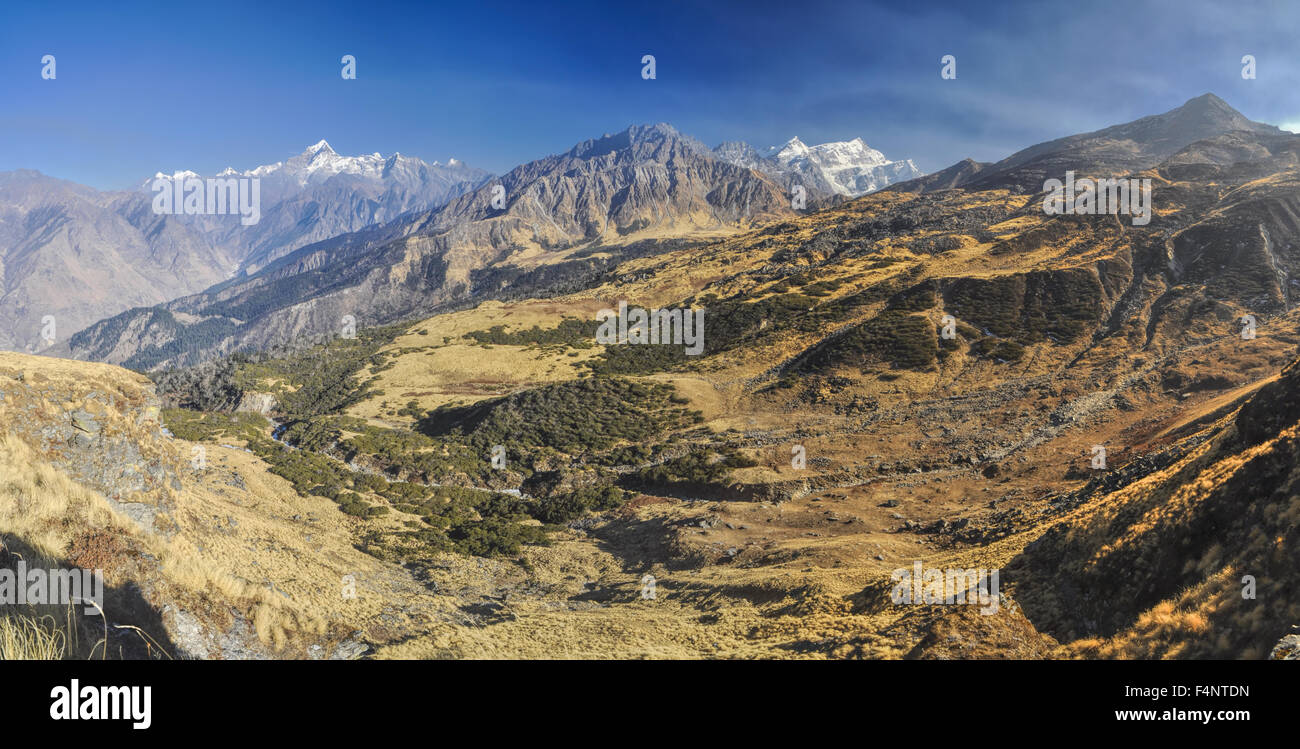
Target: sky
142, 87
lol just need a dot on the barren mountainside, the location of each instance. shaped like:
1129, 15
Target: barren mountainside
79, 255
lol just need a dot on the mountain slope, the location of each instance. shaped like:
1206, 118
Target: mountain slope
1113, 151
975, 451
1198, 560
79, 255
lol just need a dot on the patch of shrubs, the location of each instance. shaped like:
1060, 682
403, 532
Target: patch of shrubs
998, 349
570, 332
919, 298
496, 537
823, 288
588, 414
309, 472
1031, 307
699, 467
199, 426
413, 455
568, 506
904, 341
324, 378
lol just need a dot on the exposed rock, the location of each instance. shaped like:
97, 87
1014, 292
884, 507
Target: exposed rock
260, 403
1287, 648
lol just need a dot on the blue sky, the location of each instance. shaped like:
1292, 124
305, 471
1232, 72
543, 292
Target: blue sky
147, 87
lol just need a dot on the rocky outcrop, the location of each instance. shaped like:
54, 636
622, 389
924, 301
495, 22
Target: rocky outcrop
98, 427
105, 434
1287, 648
258, 403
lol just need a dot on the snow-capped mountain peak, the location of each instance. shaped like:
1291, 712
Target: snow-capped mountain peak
849, 167
793, 149
319, 193
177, 175
835, 154
319, 162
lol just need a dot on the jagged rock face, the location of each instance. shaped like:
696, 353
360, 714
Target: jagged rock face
109, 442
739, 153
645, 178
258, 403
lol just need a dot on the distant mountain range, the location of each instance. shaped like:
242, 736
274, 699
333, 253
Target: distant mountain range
319, 194
558, 223
76, 254
550, 221
79, 255
82, 255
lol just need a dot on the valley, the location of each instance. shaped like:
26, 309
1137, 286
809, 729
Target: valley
481, 477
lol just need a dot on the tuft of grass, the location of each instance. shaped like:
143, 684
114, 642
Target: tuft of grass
34, 638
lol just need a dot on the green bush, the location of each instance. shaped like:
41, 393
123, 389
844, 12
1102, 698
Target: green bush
699, 467
562, 508
588, 414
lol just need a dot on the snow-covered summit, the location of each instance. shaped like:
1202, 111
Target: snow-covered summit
848, 167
